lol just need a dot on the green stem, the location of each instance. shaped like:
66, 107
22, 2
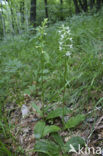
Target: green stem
64, 91
42, 96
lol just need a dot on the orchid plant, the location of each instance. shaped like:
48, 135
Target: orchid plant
41, 46
65, 46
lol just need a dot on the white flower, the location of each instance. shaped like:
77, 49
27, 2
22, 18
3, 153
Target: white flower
63, 26
71, 46
45, 33
62, 36
60, 43
71, 39
60, 48
68, 30
68, 53
59, 32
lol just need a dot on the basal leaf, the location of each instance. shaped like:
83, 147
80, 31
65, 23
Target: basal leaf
42, 154
57, 113
47, 147
50, 129
75, 121
58, 139
74, 142
39, 129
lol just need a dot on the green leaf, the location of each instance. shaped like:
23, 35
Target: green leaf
42, 154
39, 129
75, 121
46, 57
58, 139
4, 150
47, 147
27, 91
37, 109
30, 90
50, 129
57, 113
75, 142
45, 71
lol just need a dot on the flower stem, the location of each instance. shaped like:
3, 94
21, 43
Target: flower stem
64, 90
42, 85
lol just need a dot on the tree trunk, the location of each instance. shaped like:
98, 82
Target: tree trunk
98, 4
10, 3
46, 8
61, 9
77, 10
3, 28
84, 5
92, 2
33, 12
22, 10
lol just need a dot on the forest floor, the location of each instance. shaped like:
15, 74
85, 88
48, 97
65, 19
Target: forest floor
23, 129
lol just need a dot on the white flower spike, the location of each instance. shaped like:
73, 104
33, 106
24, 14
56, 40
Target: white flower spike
65, 38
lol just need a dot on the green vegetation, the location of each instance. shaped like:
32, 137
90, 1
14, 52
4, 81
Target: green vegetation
61, 65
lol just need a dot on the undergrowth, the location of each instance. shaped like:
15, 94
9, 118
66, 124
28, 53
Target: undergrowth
22, 72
